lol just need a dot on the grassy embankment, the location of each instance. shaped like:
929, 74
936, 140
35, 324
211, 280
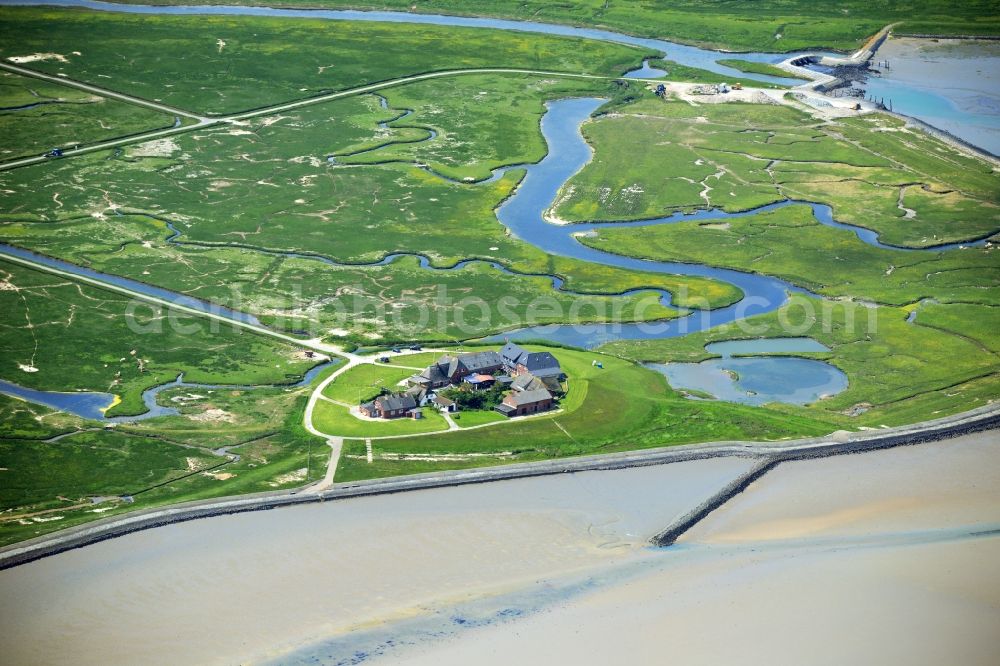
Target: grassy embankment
747, 25
686, 74
37, 116
737, 157
752, 67
620, 407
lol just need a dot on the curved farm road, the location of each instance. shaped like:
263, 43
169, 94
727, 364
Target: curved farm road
335, 443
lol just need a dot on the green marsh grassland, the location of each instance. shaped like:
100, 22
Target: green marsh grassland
740, 25
220, 65
37, 116
872, 170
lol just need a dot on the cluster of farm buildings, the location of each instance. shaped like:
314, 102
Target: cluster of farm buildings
533, 380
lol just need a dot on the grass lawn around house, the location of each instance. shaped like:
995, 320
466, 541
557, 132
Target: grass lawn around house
622, 406
363, 382
415, 360
337, 421
475, 417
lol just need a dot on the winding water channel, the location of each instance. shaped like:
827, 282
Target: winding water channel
688, 55
523, 213
93, 404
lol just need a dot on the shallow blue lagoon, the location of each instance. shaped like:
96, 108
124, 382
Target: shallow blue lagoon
759, 380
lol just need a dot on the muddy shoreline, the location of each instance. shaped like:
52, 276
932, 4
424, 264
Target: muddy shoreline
984, 418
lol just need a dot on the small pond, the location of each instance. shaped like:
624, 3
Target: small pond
647, 71
759, 380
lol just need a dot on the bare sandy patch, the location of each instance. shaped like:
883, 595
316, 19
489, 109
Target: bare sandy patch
290, 477
37, 57
214, 415
217, 185
156, 148
270, 120
308, 355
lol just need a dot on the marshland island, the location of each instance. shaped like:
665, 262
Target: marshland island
522, 317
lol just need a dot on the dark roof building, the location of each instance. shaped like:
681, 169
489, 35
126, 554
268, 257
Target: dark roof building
419, 393
553, 383
511, 354
526, 382
529, 382
449, 369
540, 364
433, 376
395, 402
486, 362
518, 360
519, 403
390, 406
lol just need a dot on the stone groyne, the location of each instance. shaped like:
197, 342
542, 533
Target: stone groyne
908, 436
